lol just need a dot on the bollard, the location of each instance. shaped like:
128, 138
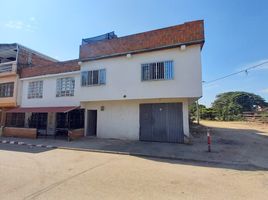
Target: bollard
209, 140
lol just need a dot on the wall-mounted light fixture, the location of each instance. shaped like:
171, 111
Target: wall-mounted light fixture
102, 108
129, 55
80, 63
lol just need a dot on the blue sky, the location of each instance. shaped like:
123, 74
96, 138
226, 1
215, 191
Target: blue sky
236, 32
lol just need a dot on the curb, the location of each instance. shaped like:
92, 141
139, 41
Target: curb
235, 164
27, 144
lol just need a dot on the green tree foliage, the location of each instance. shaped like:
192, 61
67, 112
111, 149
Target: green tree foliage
205, 113
231, 105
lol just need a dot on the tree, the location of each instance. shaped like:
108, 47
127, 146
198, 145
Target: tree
231, 105
205, 113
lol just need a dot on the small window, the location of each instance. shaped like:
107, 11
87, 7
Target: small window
6, 89
35, 90
65, 87
157, 71
93, 77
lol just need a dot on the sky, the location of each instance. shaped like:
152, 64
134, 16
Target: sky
236, 32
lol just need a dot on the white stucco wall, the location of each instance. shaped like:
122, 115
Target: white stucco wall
123, 76
120, 119
49, 92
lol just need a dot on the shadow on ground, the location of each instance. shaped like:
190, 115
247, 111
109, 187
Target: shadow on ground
239, 149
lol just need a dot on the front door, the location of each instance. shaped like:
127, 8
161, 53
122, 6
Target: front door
91, 122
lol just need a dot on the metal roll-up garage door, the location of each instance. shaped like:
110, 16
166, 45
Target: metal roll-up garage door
161, 122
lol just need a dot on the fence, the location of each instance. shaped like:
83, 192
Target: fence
256, 116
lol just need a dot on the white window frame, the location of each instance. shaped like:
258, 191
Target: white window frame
35, 90
65, 87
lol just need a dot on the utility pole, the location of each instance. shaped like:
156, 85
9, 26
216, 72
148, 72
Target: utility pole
197, 112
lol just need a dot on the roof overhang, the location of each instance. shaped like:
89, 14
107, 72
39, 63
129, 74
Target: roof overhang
43, 109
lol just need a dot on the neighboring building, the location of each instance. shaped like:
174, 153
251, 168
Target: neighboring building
49, 100
13, 58
139, 86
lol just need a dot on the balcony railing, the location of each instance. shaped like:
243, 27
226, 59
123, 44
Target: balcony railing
6, 68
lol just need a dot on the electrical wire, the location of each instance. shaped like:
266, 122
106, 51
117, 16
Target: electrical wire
235, 73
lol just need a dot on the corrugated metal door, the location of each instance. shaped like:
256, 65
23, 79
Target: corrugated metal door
161, 122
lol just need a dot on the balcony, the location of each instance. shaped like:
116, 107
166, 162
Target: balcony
8, 68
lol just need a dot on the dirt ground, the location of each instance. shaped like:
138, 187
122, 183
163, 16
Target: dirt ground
244, 142
261, 127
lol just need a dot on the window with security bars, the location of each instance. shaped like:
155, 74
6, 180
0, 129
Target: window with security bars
65, 87
6, 89
15, 119
93, 77
35, 90
157, 71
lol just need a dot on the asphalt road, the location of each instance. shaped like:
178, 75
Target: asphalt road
40, 173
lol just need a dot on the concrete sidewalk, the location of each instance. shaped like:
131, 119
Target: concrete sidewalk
197, 152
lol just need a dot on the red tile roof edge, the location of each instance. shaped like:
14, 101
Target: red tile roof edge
190, 33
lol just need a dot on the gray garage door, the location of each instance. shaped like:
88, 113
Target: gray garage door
161, 122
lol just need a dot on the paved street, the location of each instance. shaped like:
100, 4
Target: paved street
41, 173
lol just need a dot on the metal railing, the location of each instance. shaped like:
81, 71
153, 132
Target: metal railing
6, 68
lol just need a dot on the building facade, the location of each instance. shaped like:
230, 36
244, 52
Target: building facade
139, 87
13, 58
136, 87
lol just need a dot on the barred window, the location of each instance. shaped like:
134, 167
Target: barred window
35, 90
15, 119
157, 71
65, 87
6, 89
93, 77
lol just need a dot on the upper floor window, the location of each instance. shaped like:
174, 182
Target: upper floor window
157, 71
65, 87
35, 90
93, 77
6, 89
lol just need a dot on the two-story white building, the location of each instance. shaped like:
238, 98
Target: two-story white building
139, 86
49, 103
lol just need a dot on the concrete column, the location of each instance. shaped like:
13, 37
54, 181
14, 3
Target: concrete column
185, 111
27, 117
51, 123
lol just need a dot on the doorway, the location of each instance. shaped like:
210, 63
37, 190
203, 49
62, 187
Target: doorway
91, 122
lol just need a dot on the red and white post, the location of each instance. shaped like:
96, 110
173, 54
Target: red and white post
209, 140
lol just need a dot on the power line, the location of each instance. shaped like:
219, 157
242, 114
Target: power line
235, 73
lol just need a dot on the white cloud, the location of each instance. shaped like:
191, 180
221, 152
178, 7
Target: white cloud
264, 90
29, 25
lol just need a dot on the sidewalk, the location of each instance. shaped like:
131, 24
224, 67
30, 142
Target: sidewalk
197, 152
